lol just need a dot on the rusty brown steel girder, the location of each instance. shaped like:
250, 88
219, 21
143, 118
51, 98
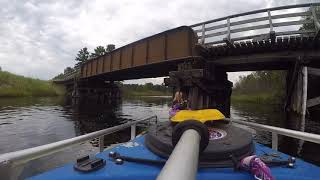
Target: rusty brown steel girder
163, 48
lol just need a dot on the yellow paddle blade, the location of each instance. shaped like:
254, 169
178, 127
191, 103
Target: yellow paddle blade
199, 115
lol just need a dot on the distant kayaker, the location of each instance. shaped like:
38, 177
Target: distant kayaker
180, 100
177, 98
178, 103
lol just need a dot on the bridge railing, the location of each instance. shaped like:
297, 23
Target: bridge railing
69, 75
263, 24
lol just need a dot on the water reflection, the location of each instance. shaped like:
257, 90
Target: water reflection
273, 115
29, 122
269, 115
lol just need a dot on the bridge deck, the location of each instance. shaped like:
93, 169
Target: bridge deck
163, 50
264, 54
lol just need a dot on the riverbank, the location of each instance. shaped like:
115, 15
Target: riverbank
12, 85
260, 98
147, 89
128, 93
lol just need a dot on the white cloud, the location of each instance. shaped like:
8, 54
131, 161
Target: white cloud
41, 38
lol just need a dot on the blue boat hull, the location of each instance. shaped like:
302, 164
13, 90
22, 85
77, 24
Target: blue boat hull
136, 148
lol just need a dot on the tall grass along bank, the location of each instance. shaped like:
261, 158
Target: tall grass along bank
12, 85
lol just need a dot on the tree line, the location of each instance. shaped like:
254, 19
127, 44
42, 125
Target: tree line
262, 82
84, 55
145, 88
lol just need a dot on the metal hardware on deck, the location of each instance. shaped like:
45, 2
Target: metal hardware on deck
87, 164
119, 161
186, 151
9, 161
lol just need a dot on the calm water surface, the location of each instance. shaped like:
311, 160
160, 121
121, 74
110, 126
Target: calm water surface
29, 122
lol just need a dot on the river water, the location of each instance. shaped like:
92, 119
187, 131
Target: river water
29, 122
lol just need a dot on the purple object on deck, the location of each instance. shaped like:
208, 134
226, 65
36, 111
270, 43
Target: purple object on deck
258, 168
175, 108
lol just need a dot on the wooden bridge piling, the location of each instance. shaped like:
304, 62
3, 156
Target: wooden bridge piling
296, 104
204, 87
94, 92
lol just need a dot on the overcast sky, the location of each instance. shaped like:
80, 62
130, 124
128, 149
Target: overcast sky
39, 38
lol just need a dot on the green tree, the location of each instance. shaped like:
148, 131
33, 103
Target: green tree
98, 51
262, 82
110, 47
149, 86
82, 56
67, 70
59, 76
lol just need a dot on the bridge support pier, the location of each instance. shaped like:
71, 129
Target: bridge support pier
296, 105
94, 92
296, 101
204, 86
